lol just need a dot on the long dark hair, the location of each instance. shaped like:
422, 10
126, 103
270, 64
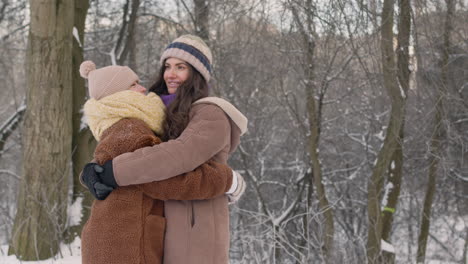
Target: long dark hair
177, 114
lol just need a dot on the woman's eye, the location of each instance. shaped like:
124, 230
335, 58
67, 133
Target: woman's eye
181, 67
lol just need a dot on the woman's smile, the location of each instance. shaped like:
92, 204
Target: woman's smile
176, 72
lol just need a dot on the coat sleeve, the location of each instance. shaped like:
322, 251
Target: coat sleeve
207, 133
209, 180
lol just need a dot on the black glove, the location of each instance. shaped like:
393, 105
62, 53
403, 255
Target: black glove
107, 176
91, 178
102, 190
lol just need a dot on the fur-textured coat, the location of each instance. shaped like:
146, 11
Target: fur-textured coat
128, 227
197, 232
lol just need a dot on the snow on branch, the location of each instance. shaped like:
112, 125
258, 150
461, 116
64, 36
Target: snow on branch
7, 127
15, 176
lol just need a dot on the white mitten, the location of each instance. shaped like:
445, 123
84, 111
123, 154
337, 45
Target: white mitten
237, 188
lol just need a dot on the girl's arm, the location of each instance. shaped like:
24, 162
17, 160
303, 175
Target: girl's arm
207, 133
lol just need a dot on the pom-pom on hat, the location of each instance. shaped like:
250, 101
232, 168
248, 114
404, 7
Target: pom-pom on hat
107, 80
194, 51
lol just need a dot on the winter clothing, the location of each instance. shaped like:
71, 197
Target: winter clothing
128, 226
197, 231
193, 50
237, 190
101, 114
91, 180
108, 80
168, 98
106, 174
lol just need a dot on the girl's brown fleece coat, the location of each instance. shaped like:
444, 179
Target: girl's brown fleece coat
128, 227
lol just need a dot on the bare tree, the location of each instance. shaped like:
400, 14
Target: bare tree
391, 142
83, 142
309, 35
437, 136
127, 31
202, 14
42, 201
395, 170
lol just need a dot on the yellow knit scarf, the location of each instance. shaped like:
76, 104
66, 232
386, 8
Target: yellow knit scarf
103, 113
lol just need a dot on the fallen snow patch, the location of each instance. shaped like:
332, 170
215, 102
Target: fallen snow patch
69, 254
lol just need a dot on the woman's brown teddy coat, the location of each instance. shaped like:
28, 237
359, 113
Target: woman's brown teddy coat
128, 227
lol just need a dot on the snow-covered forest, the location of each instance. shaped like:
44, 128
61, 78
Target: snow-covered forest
357, 143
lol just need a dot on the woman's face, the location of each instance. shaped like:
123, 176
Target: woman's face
138, 88
176, 72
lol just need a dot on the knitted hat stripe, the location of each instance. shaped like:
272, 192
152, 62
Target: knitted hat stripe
197, 43
189, 58
195, 52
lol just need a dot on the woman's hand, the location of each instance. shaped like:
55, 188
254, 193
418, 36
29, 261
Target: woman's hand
92, 177
238, 188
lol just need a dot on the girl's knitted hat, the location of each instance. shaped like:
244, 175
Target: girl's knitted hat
108, 80
193, 50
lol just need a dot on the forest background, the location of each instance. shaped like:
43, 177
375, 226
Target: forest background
357, 150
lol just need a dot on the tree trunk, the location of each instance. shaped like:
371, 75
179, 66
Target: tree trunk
83, 142
396, 165
437, 137
324, 205
391, 141
395, 174
127, 32
313, 112
42, 203
202, 13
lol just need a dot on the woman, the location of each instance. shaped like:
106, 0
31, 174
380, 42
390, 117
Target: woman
129, 226
198, 128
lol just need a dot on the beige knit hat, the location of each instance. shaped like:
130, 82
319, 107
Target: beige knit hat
108, 80
193, 50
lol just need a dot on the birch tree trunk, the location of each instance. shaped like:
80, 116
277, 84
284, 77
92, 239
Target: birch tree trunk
437, 137
42, 204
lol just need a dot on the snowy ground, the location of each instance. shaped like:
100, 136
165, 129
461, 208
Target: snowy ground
443, 228
70, 254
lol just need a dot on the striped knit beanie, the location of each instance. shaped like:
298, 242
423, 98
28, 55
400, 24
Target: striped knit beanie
194, 51
108, 80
